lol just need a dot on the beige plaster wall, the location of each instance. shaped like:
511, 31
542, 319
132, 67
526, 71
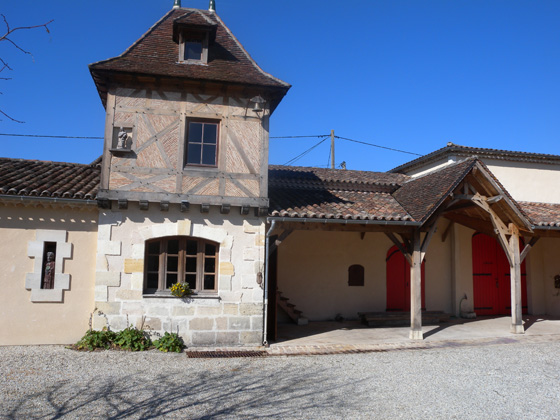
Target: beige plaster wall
25, 322
313, 273
542, 265
233, 316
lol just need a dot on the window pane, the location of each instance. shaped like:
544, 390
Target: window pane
152, 282
190, 266
193, 50
193, 153
191, 280
171, 280
209, 155
172, 263
210, 133
209, 249
192, 247
153, 248
209, 283
173, 246
195, 132
153, 263
209, 265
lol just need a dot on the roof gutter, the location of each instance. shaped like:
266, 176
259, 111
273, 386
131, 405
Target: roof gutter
344, 221
54, 200
537, 227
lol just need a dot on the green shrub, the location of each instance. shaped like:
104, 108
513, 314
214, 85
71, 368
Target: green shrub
96, 340
170, 342
133, 339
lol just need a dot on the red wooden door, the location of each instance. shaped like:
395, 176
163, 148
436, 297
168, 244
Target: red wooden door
491, 277
398, 281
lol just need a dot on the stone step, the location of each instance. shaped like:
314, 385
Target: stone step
394, 319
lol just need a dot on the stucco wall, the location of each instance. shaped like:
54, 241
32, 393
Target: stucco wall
313, 273
542, 265
26, 322
231, 317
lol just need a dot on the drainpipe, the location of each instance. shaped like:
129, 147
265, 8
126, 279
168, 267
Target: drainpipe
265, 295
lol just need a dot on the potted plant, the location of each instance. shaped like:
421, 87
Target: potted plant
181, 290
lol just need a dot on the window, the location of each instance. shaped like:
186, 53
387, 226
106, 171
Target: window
202, 143
356, 275
49, 258
193, 50
181, 259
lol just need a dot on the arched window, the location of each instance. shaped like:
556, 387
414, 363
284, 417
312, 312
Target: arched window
181, 259
356, 275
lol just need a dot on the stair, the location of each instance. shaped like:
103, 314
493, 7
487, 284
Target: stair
290, 309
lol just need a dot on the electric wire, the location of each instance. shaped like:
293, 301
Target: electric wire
297, 137
376, 145
52, 137
304, 153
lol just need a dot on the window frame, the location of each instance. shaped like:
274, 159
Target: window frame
203, 121
202, 38
162, 265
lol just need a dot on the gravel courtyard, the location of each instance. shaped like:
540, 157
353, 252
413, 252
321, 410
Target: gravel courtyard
500, 381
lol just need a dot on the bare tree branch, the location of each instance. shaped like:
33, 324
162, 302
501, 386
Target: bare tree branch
6, 37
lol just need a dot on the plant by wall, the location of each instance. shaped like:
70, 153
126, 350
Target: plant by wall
170, 342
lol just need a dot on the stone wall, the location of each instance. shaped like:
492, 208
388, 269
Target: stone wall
233, 316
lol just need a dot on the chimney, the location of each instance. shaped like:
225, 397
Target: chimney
212, 6
177, 4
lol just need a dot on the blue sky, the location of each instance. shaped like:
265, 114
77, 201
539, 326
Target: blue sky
411, 75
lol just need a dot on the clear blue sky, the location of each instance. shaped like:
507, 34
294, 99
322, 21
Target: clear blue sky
410, 75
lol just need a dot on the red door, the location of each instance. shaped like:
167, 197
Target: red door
398, 282
491, 278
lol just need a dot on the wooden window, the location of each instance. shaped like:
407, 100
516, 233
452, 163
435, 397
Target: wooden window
202, 143
356, 275
193, 48
181, 259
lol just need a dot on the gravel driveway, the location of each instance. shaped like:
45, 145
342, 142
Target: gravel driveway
517, 380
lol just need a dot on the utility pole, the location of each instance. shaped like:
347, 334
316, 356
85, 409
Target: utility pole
332, 149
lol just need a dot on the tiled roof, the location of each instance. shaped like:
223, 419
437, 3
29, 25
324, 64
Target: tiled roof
34, 178
422, 196
297, 192
156, 53
542, 214
480, 152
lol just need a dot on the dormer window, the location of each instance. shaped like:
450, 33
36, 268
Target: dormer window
193, 48
194, 32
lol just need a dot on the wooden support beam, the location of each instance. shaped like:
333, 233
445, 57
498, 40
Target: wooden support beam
281, 237
416, 289
528, 247
400, 246
426, 241
362, 235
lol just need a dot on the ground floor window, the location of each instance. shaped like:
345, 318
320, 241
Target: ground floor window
181, 259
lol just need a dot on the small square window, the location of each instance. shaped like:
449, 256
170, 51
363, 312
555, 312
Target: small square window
202, 143
193, 50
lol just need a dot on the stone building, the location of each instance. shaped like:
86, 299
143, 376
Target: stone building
183, 193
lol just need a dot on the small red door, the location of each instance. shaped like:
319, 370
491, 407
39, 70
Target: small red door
398, 281
491, 277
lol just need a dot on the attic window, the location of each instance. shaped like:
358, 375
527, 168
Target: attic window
193, 48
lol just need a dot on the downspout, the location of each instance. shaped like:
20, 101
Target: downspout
265, 295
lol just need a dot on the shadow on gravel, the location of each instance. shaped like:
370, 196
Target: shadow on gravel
239, 391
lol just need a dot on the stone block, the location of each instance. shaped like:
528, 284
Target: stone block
101, 294
258, 295
153, 310
104, 232
62, 281
239, 323
109, 247
44, 235
222, 323
149, 324
184, 227
33, 280
46, 295
226, 269
224, 283
99, 322
201, 324
107, 278
117, 322
208, 310
101, 263
63, 250
132, 308
230, 309
225, 254
250, 309
182, 310
35, 249
255, 227
250, 338
125, 294
250, 254
137, 281
259, 240
227, 338
108, 308
248, 281
137, 251
257, 323
203, 339
133, 266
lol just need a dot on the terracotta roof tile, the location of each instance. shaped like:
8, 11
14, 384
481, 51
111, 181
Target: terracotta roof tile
34, 178
156, 53
542, 214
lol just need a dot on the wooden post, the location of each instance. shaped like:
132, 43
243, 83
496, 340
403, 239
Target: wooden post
515, 280
332, 149
416, 289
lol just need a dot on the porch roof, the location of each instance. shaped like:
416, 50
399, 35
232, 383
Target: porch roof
543, 215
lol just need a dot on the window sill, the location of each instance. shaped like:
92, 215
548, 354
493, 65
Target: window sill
196, 296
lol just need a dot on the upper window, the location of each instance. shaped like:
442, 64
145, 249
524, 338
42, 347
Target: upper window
181, 259
193, 50
202, 143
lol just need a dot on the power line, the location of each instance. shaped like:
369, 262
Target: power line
304, 153
52, 137
297, 137
380, 147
